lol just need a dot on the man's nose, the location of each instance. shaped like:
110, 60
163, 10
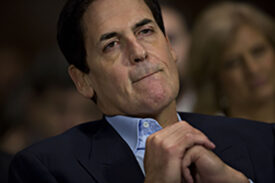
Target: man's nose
137, 51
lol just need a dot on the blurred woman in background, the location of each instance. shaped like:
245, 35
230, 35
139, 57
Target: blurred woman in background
232, 62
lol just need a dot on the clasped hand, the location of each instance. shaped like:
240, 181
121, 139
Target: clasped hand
171, 152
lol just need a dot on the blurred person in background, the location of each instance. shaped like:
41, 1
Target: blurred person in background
55, 105
13, 63
232, 62
44, 104
178, 34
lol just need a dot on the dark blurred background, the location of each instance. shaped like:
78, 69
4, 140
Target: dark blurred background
31, 24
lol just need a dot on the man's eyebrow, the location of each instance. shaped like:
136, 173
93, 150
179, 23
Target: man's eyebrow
114, 34
107, 36
142, 22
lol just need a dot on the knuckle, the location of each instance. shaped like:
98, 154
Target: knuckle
153, 139
164, 145
189, 136
184, 124
170, 149
198, 149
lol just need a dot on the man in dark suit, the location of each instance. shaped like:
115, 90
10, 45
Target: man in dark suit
120, 57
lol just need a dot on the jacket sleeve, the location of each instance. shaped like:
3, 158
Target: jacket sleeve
27, 168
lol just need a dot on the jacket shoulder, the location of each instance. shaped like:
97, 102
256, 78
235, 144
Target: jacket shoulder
215, 123
65, 142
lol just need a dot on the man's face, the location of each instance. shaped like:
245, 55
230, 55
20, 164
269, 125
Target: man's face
132, 68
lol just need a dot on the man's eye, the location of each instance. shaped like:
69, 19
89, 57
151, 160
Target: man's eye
146, 31
110, 46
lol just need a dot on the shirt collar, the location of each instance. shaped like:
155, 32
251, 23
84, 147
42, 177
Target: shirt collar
128, 128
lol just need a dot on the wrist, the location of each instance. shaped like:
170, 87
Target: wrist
235, 176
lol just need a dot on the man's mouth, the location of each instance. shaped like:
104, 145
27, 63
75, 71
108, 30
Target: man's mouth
146, 76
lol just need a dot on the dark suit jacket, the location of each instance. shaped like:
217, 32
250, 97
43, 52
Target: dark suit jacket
94, 152
5, 160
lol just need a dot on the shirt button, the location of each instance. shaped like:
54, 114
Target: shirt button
145, 124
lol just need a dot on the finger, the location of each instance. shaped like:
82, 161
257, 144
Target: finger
170, 134
187, 175
189, 136
163, 133
205, 141
181, 130
188, 133
191, 156
171, 129
177, 138
196, 137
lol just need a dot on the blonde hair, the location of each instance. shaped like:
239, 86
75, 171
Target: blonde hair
211, 35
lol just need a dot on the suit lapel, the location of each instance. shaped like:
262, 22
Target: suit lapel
107, 157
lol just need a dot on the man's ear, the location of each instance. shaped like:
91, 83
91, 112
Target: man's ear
81, 81
172, 51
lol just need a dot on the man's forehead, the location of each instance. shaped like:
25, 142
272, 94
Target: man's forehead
113, 14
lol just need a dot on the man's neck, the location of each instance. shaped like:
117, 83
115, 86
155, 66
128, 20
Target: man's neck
167, 116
